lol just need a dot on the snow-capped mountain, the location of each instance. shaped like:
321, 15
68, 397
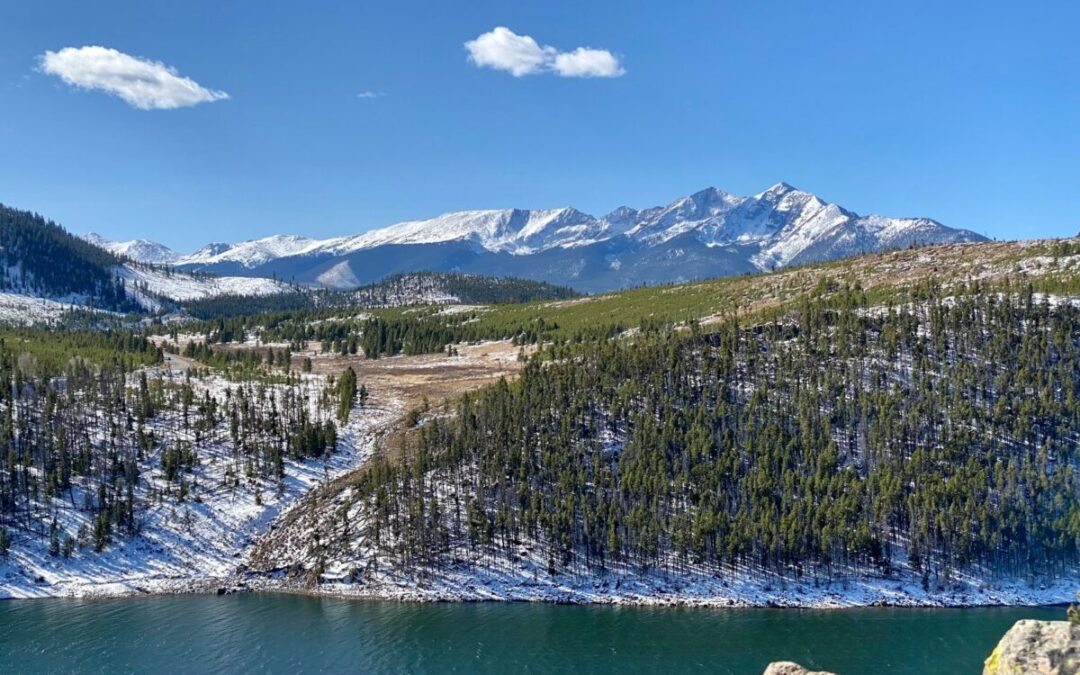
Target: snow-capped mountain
249, 253
708, 233
147, 283
515, 231
139, 250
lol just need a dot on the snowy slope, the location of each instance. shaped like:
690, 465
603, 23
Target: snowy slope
250, 253
515, 231
147, 285
191, 544
705, 234
146, 282
26, 310
700, 211
139, 250
781, 221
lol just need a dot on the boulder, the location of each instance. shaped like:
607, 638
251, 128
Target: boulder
1037, 647
791, 668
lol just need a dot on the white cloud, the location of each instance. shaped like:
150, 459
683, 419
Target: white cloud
371, 94
586, 62
146, 85
503, 49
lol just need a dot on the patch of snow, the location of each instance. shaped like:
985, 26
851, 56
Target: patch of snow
181, 286
26, 310
529, 581
340, 276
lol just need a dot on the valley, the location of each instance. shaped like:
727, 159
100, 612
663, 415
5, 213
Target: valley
194, 535
525, 337
784, 438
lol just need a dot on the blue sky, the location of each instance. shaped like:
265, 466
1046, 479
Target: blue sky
968, 114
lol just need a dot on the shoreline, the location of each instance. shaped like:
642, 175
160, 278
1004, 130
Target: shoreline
828, 600
129, 573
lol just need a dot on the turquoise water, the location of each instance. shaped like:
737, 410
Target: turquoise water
291, 634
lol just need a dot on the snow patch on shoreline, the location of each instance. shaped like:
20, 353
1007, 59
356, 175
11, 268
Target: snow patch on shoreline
734, 587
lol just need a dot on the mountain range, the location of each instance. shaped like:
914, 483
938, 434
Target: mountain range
707, 234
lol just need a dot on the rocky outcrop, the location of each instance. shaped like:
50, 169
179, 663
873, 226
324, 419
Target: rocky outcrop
791, 668
1037, 647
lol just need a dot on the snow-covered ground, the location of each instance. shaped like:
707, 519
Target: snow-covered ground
203, 546
147, 285
733, 588
180, 286
524, 577
26, 310
189, 545
206, 544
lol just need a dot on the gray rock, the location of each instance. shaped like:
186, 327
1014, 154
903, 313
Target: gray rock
1039, 647
791, 668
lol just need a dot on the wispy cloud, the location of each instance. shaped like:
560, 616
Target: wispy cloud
144, 84
503, 49
371, 94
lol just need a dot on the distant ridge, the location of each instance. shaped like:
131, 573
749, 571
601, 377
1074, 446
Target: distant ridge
706, 234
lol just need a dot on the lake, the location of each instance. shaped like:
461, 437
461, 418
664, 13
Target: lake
290, 634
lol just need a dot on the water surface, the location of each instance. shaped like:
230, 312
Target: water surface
292, 634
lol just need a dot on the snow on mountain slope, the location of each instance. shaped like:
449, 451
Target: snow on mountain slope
702, 210
25, 310
515, 231
781, 220
139, 250
727, 234
147, 282
340, 277
251, 253
147, 285
799, 227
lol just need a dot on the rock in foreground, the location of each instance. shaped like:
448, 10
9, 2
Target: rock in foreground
1042, 647
791, 668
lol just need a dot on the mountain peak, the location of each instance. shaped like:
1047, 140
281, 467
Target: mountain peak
709, 193
710, 232
213, 248
139, 250
778, 190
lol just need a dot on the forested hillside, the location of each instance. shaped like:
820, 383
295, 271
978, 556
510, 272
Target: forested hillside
936, 437
39, 257
104, 442
468, 289
905, 424
399, 290
1048, 266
